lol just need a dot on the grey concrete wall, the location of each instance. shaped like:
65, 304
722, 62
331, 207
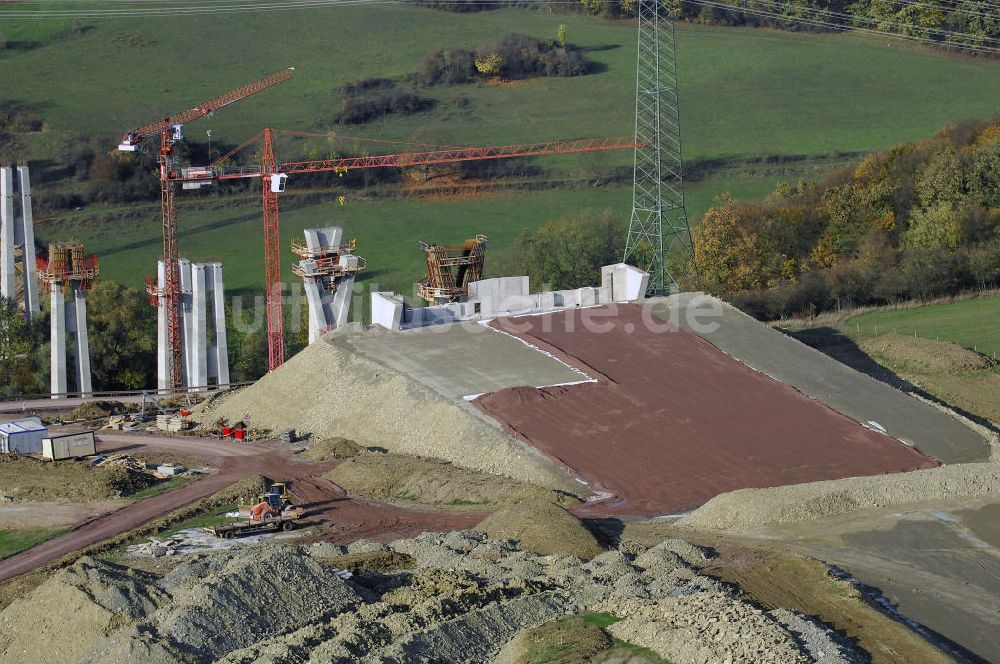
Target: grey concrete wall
627, 283
387, 310
510, 296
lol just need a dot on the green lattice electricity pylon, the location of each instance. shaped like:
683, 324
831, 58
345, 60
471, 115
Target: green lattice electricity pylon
658, 231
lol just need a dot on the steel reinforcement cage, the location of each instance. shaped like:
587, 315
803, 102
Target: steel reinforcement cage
451, 269
67, 263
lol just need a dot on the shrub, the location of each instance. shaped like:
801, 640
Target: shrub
364, 85
358, 110
515, 56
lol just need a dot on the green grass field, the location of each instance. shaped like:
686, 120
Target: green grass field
972, 323
13, 542
387, 230
745, 94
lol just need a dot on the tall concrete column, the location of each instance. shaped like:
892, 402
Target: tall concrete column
199, 329
57, 353
342, 301
162, 364
184, 272
7, 274
83, 377
24, 234
314, 300
219, 312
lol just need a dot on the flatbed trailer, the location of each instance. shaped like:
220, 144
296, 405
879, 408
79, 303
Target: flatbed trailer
249, 526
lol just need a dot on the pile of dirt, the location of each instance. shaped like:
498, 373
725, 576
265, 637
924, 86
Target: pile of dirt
379, 407
30, 479
434, 482
332, 448
243, 492
927, 356
542, 527
367, 562
569, 639
95, 410
461, 597
750, 509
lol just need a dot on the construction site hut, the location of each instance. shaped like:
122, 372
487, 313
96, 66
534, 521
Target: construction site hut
69, 446
22, 436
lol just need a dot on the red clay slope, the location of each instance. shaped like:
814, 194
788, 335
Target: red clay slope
674, 421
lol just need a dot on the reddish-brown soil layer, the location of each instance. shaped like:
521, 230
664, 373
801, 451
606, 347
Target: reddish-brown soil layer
325, 503
673, 421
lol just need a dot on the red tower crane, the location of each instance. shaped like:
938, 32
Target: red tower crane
170, 130
274, 175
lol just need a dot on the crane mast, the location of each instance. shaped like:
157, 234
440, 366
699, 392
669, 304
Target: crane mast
170, 130
273, 175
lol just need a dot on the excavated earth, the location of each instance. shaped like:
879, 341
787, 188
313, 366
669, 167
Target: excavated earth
458, 597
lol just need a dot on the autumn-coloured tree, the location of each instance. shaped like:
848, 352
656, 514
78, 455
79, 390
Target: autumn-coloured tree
489, 65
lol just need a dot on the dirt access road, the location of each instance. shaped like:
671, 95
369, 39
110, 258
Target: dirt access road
325, 503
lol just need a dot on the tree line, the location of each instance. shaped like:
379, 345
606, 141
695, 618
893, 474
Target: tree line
121, 327
915, 221
969, 22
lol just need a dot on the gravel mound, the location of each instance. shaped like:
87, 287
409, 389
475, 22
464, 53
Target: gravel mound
97, 612
68, 615
461, 597
748, 509
926, 355
542, 527
706, 627
823, 644
329, 390
432, 482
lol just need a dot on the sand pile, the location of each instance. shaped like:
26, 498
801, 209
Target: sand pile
460, 598
328, 390
748, 509
321, 449
433, 482
542, 527
921, 355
